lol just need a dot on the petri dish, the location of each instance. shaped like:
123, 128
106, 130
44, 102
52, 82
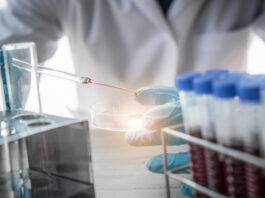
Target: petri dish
119, 113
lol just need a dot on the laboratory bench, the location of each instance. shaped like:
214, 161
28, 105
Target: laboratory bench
119, 169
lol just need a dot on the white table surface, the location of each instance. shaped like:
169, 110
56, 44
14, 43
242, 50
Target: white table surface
119, 169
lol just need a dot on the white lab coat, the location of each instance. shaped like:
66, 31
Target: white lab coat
130, 43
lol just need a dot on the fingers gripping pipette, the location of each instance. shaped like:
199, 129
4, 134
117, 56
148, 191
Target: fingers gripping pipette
66, 75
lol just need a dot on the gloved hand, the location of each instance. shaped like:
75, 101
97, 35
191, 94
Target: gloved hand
168, 112
15, 75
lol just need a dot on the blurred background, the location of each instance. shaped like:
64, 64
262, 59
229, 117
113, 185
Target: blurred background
64, 98
66, 90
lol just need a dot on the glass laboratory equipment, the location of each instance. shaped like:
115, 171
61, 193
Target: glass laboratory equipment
228, 134
41, 155
21, 86
124, 113
118, 113
191, 115
45, 160
6, 180
203, 88
236, 118
250, 119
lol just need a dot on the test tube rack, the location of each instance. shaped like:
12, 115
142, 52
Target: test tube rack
172, 174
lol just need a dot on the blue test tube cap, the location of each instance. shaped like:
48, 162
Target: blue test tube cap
224, 88
258, 79
229, 89
217, 71
203, 85
234, 76
184, 81
249, 92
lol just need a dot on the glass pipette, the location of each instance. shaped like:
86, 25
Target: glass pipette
66, 75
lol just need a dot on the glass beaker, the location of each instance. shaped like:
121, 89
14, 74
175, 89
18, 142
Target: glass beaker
19, 77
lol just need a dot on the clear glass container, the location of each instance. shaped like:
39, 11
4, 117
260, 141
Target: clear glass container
118, 113
19, 78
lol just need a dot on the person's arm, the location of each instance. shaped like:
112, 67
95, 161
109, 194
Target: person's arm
32, 21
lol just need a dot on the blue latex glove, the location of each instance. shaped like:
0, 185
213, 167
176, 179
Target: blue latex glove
168, 112
15, 75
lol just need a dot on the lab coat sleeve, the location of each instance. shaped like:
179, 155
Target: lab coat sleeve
259, 24
32, 21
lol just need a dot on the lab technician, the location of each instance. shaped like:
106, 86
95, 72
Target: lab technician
134, 43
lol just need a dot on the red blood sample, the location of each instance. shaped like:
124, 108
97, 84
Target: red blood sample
197, 158
254, 178
235, 176
215, 175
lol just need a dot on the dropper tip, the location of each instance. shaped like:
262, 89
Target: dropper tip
88, 80
136, 93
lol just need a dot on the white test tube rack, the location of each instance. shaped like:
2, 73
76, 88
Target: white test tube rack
172, 174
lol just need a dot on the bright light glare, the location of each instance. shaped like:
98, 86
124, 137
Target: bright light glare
136, 123
3, 4
256, 59
55, 92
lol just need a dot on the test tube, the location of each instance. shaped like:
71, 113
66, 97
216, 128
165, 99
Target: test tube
186, 94
250, 119
6, 177
261, 79
191, 118
262, 124
228, 134
203, 89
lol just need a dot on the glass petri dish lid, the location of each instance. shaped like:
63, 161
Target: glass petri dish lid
118, 113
